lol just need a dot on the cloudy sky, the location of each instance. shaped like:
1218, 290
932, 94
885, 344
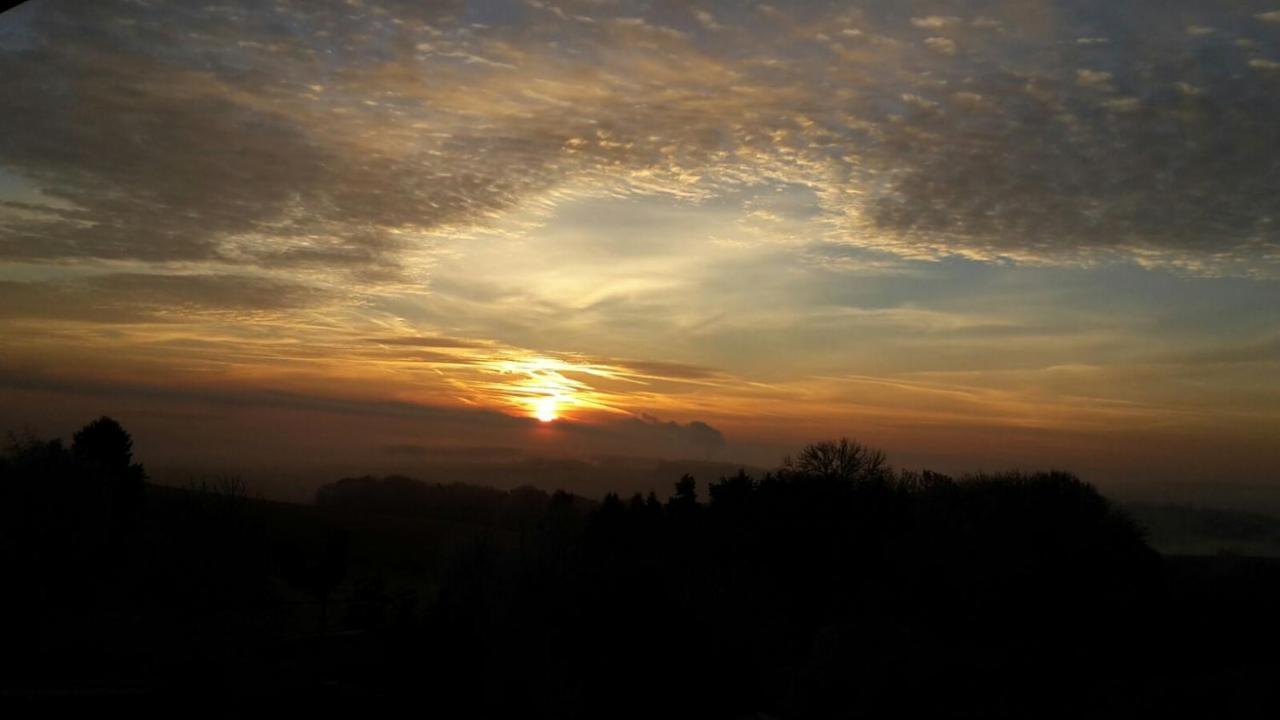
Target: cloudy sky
977, 234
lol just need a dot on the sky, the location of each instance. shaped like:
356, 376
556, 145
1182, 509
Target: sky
979, 235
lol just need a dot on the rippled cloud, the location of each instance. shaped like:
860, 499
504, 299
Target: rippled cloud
351, 138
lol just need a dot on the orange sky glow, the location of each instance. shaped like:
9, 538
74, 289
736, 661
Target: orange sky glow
331, 231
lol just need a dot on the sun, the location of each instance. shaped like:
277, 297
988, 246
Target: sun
546, 409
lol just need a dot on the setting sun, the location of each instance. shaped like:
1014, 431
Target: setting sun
546, 409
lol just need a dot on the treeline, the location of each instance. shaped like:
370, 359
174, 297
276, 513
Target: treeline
396, 495
835, 586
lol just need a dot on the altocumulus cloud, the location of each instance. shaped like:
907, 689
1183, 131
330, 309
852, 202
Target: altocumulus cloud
329, 140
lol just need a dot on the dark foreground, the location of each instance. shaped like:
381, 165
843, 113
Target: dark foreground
833, 588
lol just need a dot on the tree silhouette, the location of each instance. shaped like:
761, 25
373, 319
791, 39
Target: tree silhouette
686, 494
103, 450
839, 460
104, 445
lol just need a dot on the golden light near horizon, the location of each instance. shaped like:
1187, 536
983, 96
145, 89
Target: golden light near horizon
547, 409
543, 387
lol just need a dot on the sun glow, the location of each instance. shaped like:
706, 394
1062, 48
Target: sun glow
545, 388
546, 409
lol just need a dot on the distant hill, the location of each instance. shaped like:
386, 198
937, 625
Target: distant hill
400, 496
592, 478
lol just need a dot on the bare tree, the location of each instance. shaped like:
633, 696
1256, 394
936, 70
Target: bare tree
841, 460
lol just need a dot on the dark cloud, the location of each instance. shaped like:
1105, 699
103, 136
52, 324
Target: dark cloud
670, 371
1265, 351
430, 341
139, 297
647, 430
1156, 142
372, 425
336, 138
154, 147
471, 453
